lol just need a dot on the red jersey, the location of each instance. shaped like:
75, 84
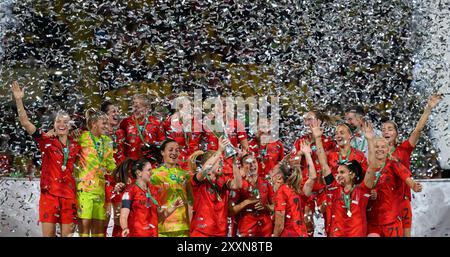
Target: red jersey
118, 137
268, 155
149, 130
385, 209
53, 179
236, 133
341, 224
143, 217
403, 153
328, 145
263, 191
210, 213
333, 160
287, 200
189, 142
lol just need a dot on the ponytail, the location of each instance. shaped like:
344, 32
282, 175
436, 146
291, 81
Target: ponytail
129, 166
123, 170
292, 177
92, 115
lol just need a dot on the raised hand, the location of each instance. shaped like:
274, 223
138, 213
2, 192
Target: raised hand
18, 93
316, 130
223, 142
368, 130
51, 133
305, 147
434, 100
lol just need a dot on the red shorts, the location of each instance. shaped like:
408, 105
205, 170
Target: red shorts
406, 213
255, 226
54, 209
394, 229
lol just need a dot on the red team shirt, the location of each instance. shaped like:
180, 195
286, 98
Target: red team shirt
189, 142
53, 179
119, 145
251, 222
119, 149
143, 217
341, 224
152, 134
318, 188
287, 200
403, 153
209, 213
385, 209
333, 160
236, 133
268, 155
333, 163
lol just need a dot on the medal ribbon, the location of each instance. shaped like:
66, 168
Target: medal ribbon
347, 200
377, 175
346, 158
362, 145
148, 194
101, 153
141, 129
186, 134
114, 136
65, 151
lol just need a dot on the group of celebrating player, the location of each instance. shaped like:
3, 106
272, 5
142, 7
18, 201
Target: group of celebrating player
154, 178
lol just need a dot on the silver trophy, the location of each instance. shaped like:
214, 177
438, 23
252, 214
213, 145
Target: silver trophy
230, 150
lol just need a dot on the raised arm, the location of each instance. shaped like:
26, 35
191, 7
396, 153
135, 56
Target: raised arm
432, 102
317, 133
370, 136
18, 94
236, 182
211, 161
305, 148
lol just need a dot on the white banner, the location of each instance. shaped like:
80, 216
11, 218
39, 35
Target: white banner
19, 201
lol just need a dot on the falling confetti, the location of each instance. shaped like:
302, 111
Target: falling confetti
384, 55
